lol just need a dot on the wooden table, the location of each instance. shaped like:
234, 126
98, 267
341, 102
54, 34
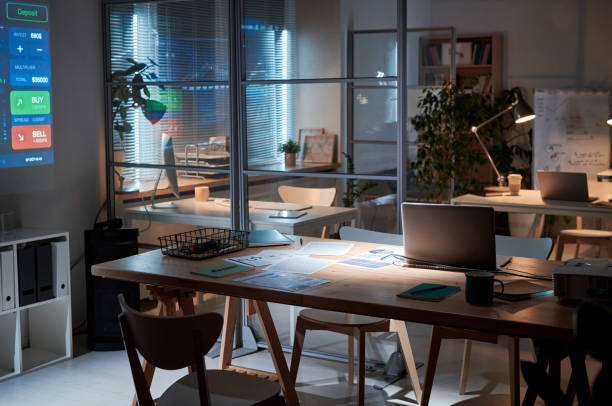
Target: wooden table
530, 201
355, 290
217, 214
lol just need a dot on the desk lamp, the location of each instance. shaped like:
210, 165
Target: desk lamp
522, 113
609, 120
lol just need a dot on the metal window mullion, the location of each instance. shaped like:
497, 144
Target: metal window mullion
316, 81
326, 175
402, 99
110, 179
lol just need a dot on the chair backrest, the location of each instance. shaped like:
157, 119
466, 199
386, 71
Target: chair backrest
523, 247
168, 343
359, 234
307, 195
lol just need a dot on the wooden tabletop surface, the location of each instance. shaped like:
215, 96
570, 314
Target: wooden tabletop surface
366, 291
530, 201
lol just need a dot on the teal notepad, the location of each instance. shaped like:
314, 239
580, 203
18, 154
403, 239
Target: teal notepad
442, 292
220, 270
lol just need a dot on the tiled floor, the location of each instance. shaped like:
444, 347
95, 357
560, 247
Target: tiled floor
103, 378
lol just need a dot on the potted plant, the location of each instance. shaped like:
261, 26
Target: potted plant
289, 148
448, 158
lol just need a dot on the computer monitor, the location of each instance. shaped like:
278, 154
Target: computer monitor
167, 159
451, 236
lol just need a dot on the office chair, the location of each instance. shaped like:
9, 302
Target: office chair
310, 196
355, 326
182, 341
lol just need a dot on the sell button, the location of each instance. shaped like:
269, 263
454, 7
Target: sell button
31, 136
26, 12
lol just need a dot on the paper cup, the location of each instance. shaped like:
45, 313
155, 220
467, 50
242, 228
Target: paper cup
202, 193
514, 183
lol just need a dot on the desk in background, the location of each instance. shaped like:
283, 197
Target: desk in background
217, 214
368, 292
530, 201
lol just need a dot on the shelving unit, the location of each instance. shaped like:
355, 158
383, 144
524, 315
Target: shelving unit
40, 333
484, 72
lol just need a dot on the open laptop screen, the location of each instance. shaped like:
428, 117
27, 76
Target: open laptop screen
449, 235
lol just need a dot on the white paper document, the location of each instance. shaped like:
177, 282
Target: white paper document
281, 281
326, 248
375, 258
304, 265
265, 257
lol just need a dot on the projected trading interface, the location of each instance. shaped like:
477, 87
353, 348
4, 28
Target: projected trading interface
25, 84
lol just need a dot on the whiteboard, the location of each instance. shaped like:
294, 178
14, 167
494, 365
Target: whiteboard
570, 133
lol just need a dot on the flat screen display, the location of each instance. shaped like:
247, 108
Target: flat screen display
26, 137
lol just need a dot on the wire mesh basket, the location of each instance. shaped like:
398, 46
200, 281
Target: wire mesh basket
203, 243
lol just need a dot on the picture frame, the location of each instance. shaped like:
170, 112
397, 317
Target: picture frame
302, 134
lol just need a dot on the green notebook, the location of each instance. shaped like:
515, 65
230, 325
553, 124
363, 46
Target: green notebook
220, 270
435, 291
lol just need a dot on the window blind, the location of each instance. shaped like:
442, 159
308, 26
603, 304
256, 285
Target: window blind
268, 32
181, 41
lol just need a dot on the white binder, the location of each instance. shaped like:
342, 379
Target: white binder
61, 267
7, 278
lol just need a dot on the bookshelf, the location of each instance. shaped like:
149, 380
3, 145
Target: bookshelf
36, 334
479, 62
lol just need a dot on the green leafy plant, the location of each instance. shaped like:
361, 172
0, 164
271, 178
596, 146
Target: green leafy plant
131, 92
447, 151
353, 190
289, 147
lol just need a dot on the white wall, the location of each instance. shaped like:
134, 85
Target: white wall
548, 43
319, 53
71, 201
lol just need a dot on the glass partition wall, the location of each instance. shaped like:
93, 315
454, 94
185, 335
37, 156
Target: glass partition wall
210, 90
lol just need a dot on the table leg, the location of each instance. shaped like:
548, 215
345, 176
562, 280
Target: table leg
534, 226
276, 352
227, 335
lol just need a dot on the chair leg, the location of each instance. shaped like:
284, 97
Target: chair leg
577, 250
361, 379
351, 360
432, 360
560, 245
298, 344
465, 366
324, 232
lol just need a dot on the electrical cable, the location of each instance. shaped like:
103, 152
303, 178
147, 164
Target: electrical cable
441, 267
147, 212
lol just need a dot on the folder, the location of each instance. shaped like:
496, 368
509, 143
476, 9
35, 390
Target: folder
61, 267
7, 279
26, 272
44, 273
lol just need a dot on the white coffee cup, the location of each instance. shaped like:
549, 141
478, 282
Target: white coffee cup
202, 193
514, 183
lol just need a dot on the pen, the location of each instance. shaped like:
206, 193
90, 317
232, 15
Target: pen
225, 268
416, 292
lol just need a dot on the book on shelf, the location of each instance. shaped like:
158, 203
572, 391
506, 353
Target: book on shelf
434, 55
481, 53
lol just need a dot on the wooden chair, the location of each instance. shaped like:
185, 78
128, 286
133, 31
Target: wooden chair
579, 235
355, 327
311, 196
504, 245
181, 341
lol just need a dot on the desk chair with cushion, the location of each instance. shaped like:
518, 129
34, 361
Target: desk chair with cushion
179, 342
310, 196
504, 245
355, 326
580, 235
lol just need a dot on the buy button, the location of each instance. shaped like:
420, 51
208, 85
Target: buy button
31, 136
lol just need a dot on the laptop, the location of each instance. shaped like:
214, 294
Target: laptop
568, 186
442, 236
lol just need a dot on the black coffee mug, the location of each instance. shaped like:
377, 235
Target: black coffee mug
479, 287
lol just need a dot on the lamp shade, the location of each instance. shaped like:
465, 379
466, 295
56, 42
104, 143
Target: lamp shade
523, 112
609, 120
